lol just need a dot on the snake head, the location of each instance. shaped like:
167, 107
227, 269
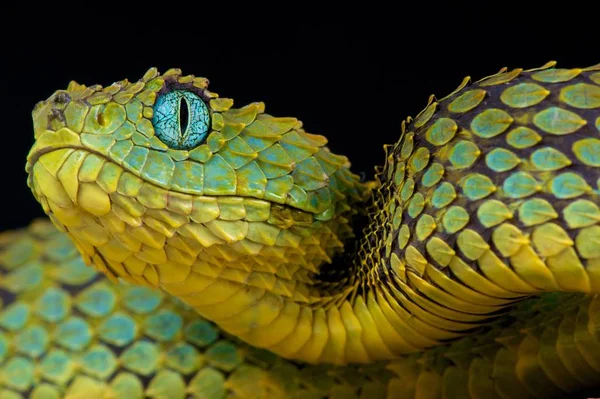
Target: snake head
136, 168
170, 130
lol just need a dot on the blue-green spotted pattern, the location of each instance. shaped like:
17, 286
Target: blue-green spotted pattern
498, 171
88, 337
144, 344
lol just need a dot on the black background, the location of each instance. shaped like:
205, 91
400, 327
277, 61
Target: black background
352, 78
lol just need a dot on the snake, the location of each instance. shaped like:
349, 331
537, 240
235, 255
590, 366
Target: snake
198, 250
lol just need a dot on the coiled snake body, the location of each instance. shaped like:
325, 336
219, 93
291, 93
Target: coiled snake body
476, 274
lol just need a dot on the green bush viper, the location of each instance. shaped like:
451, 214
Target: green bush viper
244, 259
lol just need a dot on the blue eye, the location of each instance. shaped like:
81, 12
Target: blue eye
181, 119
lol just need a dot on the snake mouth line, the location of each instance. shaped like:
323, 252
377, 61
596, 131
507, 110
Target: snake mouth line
302, 216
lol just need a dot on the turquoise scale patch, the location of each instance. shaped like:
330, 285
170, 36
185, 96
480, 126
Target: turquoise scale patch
189, 177
136, 158
125, 131
259, 144
559, 121
15, 316
119, 330
238, 153
32, 341
60, 248
163, 326
318, 201
252, 183
17, 373
184, 358
443, 195
536, 211
556, 75
275, 162
140, 139
219, 177
141, 300
308, 174
491, 123
549, 159
296, 153
520, 185
477, 186
277, 189
581, 95
24, 278
201, 333
54, 305
588, 151
296, 197
99, 362
524, 95
141, 358
419, 160
120, 150
73, 334
501, 160
57, 366
569, 185
223, 355
433, 175
463, 154
97, 300
523, 137
75, 272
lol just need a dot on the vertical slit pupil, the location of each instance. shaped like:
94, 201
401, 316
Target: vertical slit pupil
183, 115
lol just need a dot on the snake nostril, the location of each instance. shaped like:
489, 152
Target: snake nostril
56, 114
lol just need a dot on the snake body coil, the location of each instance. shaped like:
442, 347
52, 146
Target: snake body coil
489, 197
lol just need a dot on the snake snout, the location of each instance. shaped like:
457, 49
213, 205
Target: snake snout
49, 114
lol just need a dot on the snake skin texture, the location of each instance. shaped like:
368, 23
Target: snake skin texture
489, 197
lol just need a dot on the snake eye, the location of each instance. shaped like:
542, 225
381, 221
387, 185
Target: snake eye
181, 119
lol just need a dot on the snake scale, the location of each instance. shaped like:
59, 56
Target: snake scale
235, 256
